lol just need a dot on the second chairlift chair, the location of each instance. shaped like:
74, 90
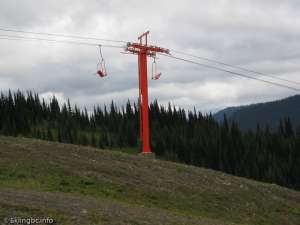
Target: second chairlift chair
155, 75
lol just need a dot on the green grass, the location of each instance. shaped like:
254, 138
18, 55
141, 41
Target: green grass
138, 183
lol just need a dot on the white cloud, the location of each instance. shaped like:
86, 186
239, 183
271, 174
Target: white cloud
47, 96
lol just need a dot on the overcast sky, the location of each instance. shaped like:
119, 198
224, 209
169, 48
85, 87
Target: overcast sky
260, 35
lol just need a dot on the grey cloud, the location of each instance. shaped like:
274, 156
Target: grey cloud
261, 35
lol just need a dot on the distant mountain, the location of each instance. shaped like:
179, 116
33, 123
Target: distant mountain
268, 113
219, 116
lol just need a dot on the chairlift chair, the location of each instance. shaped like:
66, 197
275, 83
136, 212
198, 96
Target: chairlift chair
101, 68
155, 75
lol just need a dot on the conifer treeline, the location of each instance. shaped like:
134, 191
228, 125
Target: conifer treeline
187, 137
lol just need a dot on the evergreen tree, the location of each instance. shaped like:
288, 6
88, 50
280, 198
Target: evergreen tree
187, 137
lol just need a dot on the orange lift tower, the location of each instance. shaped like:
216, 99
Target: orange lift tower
143, 51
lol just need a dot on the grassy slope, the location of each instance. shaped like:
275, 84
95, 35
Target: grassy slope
80, 185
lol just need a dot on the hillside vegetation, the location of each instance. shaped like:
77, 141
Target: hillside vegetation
85, 186
266, 114
177, 135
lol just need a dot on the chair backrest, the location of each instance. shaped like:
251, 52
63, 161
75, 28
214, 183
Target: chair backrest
156, 76
101, 73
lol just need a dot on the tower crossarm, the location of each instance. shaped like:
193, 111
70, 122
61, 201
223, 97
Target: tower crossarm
137, 48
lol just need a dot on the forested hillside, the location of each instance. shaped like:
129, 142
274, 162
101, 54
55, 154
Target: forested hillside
266, 114
187, 137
